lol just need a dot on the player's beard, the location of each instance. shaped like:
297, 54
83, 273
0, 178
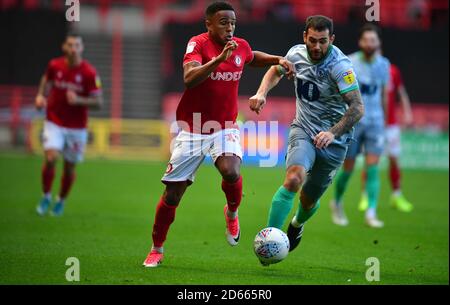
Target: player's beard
73, 59
312, 55
369, 52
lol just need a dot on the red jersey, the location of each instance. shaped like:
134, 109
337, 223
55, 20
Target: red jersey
395, 81
82, 79
216, 98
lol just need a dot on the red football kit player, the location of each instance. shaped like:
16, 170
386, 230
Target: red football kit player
213, 65
74, 87
397, 94
216, 97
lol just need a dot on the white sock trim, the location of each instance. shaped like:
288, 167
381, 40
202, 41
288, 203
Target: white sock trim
397, 193
158, 249
232, 215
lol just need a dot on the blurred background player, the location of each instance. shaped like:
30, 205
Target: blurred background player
329, 104
213, 65
73, 87
397, 93
372, 72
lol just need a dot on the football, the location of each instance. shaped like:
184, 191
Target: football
271, 245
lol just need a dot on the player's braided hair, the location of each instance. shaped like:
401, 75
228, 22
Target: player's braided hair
218, 6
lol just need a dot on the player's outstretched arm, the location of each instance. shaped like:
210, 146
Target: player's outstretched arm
353, 114
195, 73
270, 80
261, 59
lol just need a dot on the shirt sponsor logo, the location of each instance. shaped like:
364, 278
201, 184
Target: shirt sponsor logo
190, 47
349, 77
226, 76
66, 85
368, 89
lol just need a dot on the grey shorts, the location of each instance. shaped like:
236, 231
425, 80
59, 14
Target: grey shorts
369, 138
320, 164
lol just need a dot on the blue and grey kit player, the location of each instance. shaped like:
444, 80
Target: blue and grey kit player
328, 105
372, 70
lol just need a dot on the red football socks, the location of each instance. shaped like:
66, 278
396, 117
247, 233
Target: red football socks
165, 215
394, 173
233, 192
48, 173
66, 183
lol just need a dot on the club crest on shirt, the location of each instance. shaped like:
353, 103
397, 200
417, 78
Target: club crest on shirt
78, 78
59, 74
237, 60
321, 73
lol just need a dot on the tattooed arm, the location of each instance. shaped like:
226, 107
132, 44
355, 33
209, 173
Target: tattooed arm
353, 114
74, 99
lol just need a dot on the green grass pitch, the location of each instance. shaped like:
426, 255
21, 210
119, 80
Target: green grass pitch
109, 214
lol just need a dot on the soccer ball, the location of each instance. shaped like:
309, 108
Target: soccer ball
271, 245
